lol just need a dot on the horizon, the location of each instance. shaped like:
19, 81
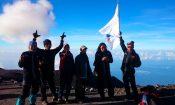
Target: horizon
157, 66
154, 55
153, 73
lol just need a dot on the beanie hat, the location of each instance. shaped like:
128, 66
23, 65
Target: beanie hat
32, 43
131, 43
46, 41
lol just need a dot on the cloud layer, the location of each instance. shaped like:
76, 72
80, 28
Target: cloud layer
21, 18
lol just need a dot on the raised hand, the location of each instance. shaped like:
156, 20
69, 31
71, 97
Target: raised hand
62, 36
35, 35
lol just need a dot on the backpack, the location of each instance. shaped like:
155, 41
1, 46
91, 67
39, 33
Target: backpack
137, 61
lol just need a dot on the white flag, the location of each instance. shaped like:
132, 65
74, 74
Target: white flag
112, 29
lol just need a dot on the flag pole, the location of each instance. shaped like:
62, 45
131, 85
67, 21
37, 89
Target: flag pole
118, 14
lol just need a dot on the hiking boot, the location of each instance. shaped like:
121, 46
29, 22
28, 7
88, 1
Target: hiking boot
20, 101
44, 102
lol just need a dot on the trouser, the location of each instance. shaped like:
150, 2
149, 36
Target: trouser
129, 78
47, 78
105, 81
28, 89
65, 84
80, 88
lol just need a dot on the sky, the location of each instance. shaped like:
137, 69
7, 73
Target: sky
150, 23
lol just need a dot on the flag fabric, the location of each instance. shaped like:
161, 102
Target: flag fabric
111, 30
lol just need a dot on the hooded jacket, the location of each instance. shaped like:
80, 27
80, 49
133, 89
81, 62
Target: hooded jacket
30, 65
102, 67
130, 60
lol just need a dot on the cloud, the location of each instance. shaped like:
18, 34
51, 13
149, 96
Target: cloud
143, 72
1, 65
21, 18
9, 59
91, 41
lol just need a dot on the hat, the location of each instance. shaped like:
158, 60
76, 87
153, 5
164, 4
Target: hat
32, 43
66, 45
131, 43
83, 47
46, 41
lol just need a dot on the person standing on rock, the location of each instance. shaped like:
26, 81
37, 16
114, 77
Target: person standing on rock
103, 58
130, 60
83, 73
47, 70
30, 62
67, 68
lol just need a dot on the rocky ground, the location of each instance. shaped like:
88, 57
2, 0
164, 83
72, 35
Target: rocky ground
9, 92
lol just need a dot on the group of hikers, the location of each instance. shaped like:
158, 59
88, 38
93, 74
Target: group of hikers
38, 67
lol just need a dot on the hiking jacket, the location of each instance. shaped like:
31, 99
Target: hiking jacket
82, 66
49, 58
101, 67
30, 65
130, 60
67, 65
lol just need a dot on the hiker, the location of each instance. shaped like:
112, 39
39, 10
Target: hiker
66, 73
83, 73
47, 71
130, 60
30, 62
149, 95
103, 58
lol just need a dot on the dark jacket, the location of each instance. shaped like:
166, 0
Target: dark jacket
66, 63
49, 56
101, 67
82, 66
129, 62
30, 66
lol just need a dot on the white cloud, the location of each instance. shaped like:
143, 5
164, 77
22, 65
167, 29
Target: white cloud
57, 62
157, 54
91, 41
19, 20
1, 65
143, 72
9, 59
